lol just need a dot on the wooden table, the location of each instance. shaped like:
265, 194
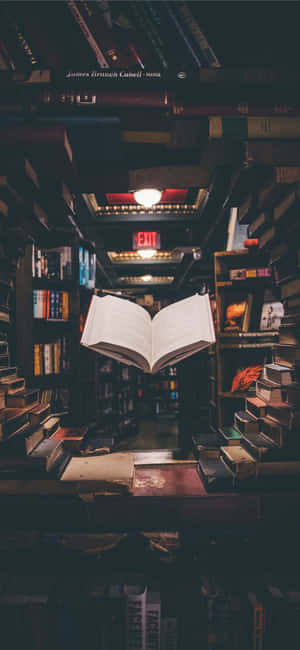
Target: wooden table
170, 497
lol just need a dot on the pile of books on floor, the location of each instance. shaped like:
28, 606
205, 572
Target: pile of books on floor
34, 444
86, 612
264, 441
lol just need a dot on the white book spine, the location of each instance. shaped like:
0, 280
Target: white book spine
47, 359
135, 617
153, 614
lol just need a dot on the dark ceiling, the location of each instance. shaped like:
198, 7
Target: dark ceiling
110, 151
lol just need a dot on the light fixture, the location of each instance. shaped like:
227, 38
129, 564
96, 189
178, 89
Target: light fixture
147, 197
146, 278
146, 253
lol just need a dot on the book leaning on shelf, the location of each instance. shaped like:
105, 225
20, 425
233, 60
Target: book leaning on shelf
124, 331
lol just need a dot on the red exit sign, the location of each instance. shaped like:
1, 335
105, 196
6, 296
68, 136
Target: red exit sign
146, 239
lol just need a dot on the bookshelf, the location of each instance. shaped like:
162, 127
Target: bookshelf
116, 399
51, 306
240, 343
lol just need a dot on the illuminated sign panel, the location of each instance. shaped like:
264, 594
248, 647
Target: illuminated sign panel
146, 239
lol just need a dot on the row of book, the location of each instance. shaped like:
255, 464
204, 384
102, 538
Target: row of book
97, 611
49, 304
52, 358
131, 37
52, 263
87, 268
117, 393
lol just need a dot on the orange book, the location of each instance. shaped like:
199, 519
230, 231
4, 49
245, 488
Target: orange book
65, 305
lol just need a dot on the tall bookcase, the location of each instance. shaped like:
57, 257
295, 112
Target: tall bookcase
116, 398
248, 344
72, 388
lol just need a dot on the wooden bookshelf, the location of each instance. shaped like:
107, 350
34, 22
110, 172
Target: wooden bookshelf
80, 364
116, 398
231, 346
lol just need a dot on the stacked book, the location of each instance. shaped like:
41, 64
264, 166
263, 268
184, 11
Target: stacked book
263, 441
35, 445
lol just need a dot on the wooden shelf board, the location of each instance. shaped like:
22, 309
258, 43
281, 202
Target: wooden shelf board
234, 284
235, 395
239, 252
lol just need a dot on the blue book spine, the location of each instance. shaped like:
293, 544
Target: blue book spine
86, 267
81, 279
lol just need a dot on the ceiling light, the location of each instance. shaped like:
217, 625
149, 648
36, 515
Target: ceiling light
147, 253
146, 278
148, 197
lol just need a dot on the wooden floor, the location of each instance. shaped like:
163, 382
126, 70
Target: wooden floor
155, 433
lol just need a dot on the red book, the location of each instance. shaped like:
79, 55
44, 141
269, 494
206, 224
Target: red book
72, 437
116, 55
154, 98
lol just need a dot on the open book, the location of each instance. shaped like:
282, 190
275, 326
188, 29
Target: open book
125, 331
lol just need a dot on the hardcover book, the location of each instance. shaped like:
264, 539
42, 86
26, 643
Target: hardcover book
12, 386
229, 436
239, 461
284, 414
46, 453
39, 413
260, 447
273, 430
124, 331
286, 355
256, 407
215, 475
206, 442
71, 437
268, 391
245, 422
112, 472
23, 441
278, 374
23, 398
12, 419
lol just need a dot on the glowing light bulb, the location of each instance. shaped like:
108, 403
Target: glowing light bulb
146, 278
146, 253
147, 197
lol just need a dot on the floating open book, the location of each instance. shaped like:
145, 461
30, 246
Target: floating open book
125, 331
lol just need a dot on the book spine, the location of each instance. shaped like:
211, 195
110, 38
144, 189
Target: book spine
135, 620
234, 110
273, 153
153, 631
88, 34
178, 55
183, 36
116, 53
198, 36
287, 174
146, 27
254, 127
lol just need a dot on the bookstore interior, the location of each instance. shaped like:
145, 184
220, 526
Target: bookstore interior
149, 325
